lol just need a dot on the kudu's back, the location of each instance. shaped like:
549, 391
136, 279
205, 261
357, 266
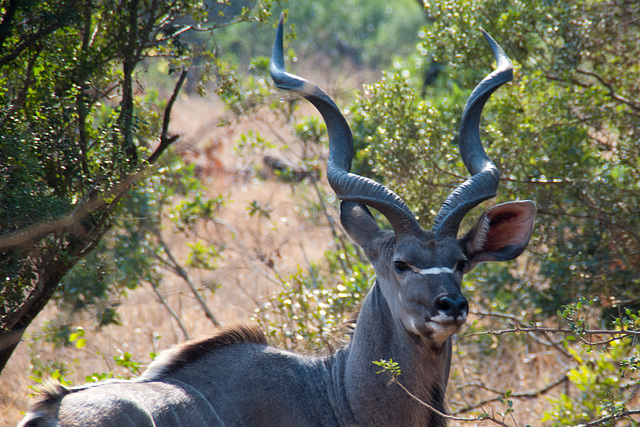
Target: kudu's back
218, 381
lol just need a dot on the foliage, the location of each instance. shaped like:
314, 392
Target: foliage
312, 306
404, 129
563, 134
42, 369
78, 129
605, 372
364, 32
135, 251
311, 311
399, 135
590, 374
388, 366
124, 363
602, 384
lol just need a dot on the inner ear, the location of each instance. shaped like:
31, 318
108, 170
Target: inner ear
501, 234
358, 223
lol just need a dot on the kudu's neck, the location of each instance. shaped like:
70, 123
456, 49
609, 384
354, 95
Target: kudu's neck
425, 370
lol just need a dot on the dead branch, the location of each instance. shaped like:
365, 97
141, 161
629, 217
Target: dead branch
177, 269
609, 418
165, 139
519, 326
519, 395
483, 417
162, 300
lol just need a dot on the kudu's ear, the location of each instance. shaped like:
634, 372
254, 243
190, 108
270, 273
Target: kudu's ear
358, 223
501, 233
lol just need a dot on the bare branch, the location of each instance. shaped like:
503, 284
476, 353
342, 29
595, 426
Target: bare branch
165, 139
182, 273
559, 330
610, 88
431, 408
162, 300
520, 395
609, 418
520, 327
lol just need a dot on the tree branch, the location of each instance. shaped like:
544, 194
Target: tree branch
5, 26
181, 272
57, 22
610, 88
172, 313
609, 418
521, 395
22, 95
81, 211
165, 139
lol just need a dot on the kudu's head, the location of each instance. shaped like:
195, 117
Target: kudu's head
420, 272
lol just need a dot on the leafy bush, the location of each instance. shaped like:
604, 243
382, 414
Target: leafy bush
363, 32
563, 134
313, 309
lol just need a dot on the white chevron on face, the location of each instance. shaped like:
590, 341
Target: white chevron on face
435, 270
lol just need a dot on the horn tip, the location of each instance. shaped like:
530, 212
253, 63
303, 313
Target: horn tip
277, 54
501, 57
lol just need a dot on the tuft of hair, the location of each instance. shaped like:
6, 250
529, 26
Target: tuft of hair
187, 353
43, 409
50, 393
480, 239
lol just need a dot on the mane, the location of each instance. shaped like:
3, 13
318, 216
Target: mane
189, 352
47, 399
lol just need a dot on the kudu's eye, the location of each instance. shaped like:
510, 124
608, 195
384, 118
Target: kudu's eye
401, 266
462, 265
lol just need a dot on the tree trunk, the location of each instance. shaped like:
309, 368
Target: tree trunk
51, 275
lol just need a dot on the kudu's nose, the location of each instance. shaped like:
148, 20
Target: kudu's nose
451, 306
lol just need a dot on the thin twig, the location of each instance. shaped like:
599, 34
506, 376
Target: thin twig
521, 327
483, 417
609, 418
617, 334
425, 404
172, 313
182, 273
521, 395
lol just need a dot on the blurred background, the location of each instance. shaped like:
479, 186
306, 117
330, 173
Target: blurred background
154, 185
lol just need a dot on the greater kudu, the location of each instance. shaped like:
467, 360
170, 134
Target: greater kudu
409, 315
